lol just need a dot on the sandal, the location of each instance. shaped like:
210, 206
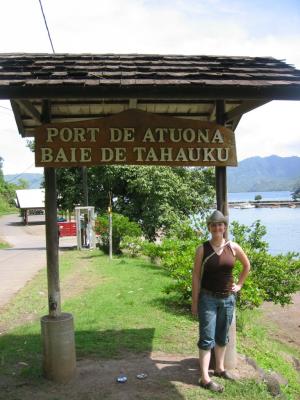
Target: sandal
224, 375
212, 386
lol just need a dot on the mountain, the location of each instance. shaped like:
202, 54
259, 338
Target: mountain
252, 175
34, 180
264, 174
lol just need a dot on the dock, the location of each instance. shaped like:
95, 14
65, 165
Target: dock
264, 203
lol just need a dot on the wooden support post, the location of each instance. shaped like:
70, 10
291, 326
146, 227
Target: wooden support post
221, 173
85, 186
52, 243
58, 341
222, 205
25, 216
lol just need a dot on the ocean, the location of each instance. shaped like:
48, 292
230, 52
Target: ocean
283, 224
250, 196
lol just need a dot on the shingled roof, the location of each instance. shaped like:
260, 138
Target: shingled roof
100, 85
102, 73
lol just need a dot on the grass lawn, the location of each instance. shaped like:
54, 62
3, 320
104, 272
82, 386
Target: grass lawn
119, 307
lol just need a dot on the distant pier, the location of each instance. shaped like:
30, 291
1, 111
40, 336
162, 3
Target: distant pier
264, 203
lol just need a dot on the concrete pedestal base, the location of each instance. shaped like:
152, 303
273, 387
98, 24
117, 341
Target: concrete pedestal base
59, 358
230, 355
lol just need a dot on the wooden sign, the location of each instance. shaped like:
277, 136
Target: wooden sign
135, 137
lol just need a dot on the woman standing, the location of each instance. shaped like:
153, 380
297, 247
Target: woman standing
213, 297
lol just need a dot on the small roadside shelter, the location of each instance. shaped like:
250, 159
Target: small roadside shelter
30, 199
201, 98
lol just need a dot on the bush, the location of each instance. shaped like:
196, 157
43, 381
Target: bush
272, 278
176, 254
121, 227
133, 245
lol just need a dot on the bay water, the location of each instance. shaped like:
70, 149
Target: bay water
282, 224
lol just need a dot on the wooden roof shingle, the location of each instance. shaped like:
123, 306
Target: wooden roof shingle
123, 75
72, 87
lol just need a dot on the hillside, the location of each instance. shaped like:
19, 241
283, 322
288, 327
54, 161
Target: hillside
252, 174
264, 174
34, 180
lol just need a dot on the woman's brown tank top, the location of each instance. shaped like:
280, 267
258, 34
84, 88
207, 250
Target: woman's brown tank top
217, 275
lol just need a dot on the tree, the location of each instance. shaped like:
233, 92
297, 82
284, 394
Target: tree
69, 188
155, 197
258, 197
122, 227
23, 183
1, 172
7, 192
296, 193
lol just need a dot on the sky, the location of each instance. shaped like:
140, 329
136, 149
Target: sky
212, 27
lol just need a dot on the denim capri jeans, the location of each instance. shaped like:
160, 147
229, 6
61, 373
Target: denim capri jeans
215, 317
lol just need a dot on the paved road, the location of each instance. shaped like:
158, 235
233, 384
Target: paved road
27, 255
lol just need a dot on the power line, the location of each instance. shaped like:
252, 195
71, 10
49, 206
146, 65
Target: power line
6, 108
18, 175
40, 1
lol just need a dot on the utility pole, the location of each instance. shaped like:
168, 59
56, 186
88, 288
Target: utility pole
110, 224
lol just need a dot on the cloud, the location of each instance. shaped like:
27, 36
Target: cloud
270, 129
17, 157
221, 27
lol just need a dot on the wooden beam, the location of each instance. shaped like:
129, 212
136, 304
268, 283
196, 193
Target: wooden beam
133, 103
31, 110
245, 107
278, 92
213, 112
46, 110
17, 113
235, 122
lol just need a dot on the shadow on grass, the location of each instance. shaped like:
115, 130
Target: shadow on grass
66, 248
30, 223
102, 356
42, 248
172, 305
123, 260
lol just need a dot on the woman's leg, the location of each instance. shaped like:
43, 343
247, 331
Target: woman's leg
204, 359
224, 319
220, 357
207, 328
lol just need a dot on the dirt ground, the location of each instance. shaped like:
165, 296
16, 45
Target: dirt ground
167, 376
286, 320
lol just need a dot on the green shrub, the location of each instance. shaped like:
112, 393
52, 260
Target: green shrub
272, 278
121, 227
132, 245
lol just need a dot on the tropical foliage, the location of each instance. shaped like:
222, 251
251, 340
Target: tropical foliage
122, 229
296, 192
272, 278
8, 192
154, 197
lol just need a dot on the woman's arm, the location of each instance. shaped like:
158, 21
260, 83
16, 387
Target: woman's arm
242, 257
196, 279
